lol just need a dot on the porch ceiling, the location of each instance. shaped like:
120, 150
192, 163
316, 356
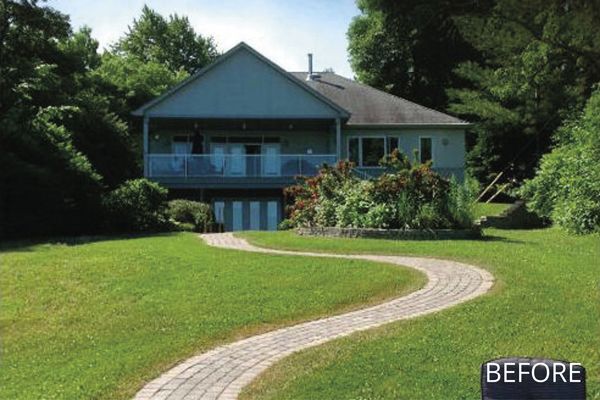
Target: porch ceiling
243, 125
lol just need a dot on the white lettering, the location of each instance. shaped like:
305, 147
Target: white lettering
559, 373
508, 371
533, 375
522, 371
496, 371
573, 371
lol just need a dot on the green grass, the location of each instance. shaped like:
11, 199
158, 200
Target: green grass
545, 303
489, 209
98, 319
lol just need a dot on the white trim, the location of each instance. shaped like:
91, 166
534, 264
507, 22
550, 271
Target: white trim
432, 148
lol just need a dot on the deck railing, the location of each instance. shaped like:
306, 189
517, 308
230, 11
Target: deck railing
236, 166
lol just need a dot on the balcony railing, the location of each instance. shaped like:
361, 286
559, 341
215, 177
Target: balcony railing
236, 166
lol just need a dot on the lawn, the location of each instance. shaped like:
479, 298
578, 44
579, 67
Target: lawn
489, 209
97, 319
546, 303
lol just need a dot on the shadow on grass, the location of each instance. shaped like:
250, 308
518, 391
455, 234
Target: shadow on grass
23, 245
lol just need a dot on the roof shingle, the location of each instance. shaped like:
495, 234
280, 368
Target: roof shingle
370, 106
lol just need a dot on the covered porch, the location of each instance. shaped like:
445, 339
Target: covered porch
185, 152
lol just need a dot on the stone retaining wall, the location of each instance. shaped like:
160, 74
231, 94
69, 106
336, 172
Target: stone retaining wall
405, 234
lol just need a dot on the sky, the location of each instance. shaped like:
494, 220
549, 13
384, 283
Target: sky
284, 31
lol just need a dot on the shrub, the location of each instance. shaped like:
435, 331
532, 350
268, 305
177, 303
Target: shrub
566, 188
136, 206
403, 197
191, 213
461, 200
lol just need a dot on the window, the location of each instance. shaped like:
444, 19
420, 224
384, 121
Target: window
181, 145
354, 150
366, 151
373, 150
425, 149
393, 143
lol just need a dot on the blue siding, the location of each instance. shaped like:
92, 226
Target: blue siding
243, 86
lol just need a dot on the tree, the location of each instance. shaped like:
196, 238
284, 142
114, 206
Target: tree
515, 68
172, 42
540, 61
566, 188
66, 132
133, 81
46, 184
61, 145
408, 48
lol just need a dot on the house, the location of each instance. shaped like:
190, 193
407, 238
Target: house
240, 130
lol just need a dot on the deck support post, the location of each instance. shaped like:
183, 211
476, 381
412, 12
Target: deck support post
338, 138
145, 143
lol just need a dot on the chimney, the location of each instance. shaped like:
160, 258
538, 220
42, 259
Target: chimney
311, 75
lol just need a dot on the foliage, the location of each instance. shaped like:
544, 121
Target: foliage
541, 59
134, 81
172, 42
517, 69
199, 215
48, 184
408, 48
403, 197
136, 206
566, 188
67, 133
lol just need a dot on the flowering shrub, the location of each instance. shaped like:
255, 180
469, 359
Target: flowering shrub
403, 197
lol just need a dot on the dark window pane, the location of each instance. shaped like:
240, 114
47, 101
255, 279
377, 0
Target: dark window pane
425, 153
244, 139
393, 144
180, 139
353, 150
373, 150
269, 139
218, 139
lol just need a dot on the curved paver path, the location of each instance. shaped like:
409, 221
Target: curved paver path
222, 373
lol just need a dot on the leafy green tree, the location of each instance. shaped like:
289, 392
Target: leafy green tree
172, 42
516, 68
566, 188
46, 184
540, 59
133, 81
98, 130
408, 48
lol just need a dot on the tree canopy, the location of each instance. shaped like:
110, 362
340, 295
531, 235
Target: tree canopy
408, 48
171, 42
515, 68
66, 131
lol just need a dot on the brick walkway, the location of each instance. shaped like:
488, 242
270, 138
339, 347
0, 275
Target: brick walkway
222, 372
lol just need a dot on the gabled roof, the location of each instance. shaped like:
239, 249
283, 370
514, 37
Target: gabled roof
243, 46
370, 106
